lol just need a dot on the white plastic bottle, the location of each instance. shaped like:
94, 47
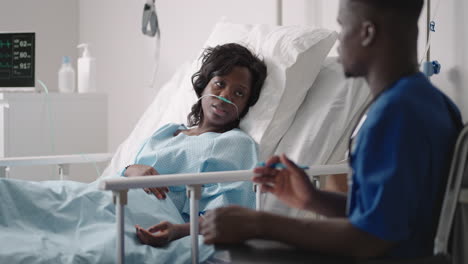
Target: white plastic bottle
66, 76
86, 71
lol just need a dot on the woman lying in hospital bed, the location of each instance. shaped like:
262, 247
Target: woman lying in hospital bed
227, 84
68, 222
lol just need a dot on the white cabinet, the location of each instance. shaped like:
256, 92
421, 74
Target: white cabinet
38, 124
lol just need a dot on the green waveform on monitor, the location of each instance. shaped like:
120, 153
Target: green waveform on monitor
5, 44
4, 65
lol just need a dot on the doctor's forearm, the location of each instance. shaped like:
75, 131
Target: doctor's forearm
332, 236
183, 230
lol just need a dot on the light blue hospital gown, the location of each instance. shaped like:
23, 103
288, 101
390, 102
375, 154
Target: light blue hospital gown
71, 222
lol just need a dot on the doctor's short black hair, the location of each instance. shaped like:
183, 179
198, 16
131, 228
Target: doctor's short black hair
406, 9
219, 61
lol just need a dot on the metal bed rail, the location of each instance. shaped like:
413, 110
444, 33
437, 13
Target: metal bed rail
194, 182
63, 162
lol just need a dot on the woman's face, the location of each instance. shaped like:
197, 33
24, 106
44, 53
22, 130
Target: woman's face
236, 87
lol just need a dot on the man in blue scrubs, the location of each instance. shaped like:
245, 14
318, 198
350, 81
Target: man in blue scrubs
400, 157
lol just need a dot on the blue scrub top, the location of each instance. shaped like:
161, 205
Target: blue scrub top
400, 165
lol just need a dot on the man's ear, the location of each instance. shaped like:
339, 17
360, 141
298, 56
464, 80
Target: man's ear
368, 33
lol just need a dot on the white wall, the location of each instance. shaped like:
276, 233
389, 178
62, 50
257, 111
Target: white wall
449, 48
56, 25
125, 56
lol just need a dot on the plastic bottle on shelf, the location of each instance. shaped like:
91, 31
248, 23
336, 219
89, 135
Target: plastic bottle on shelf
66, 76
86, 71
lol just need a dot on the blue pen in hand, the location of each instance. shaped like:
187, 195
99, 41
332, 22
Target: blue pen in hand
280, 166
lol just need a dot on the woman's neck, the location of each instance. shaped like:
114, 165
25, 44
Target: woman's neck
204, 128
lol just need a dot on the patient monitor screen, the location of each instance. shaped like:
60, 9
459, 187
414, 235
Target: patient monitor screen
17, 60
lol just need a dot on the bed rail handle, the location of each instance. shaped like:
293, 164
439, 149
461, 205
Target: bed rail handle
193, 181
55, 160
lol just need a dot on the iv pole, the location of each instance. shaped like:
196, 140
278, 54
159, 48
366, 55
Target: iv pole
429, 67
279, 12
428, 29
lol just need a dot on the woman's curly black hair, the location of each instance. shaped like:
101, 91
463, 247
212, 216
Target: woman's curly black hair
219, 61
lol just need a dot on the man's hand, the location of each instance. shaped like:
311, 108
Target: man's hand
291, 185
158, 235
144, 170
231, 224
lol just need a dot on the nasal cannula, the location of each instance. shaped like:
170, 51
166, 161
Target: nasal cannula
222, 99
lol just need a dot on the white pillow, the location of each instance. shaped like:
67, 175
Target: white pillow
321, 128
317, 134
293, 55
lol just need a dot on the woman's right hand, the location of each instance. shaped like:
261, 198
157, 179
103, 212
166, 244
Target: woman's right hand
159, 235
145, 170
291, 185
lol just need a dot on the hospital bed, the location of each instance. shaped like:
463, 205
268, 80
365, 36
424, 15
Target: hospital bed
294, 108
306, 110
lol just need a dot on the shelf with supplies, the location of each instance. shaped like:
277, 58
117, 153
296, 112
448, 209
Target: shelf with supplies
38, 124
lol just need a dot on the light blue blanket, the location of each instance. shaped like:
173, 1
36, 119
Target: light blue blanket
71, 222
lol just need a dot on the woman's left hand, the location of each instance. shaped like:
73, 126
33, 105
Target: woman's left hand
158, 235
145, 170
232, 224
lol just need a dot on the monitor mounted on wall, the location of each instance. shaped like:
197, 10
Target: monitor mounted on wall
17, 61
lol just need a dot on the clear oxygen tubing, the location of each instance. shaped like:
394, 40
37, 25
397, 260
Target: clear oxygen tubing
49, 112
156, 60
152, 20
426, 53
52, 126
222, 99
